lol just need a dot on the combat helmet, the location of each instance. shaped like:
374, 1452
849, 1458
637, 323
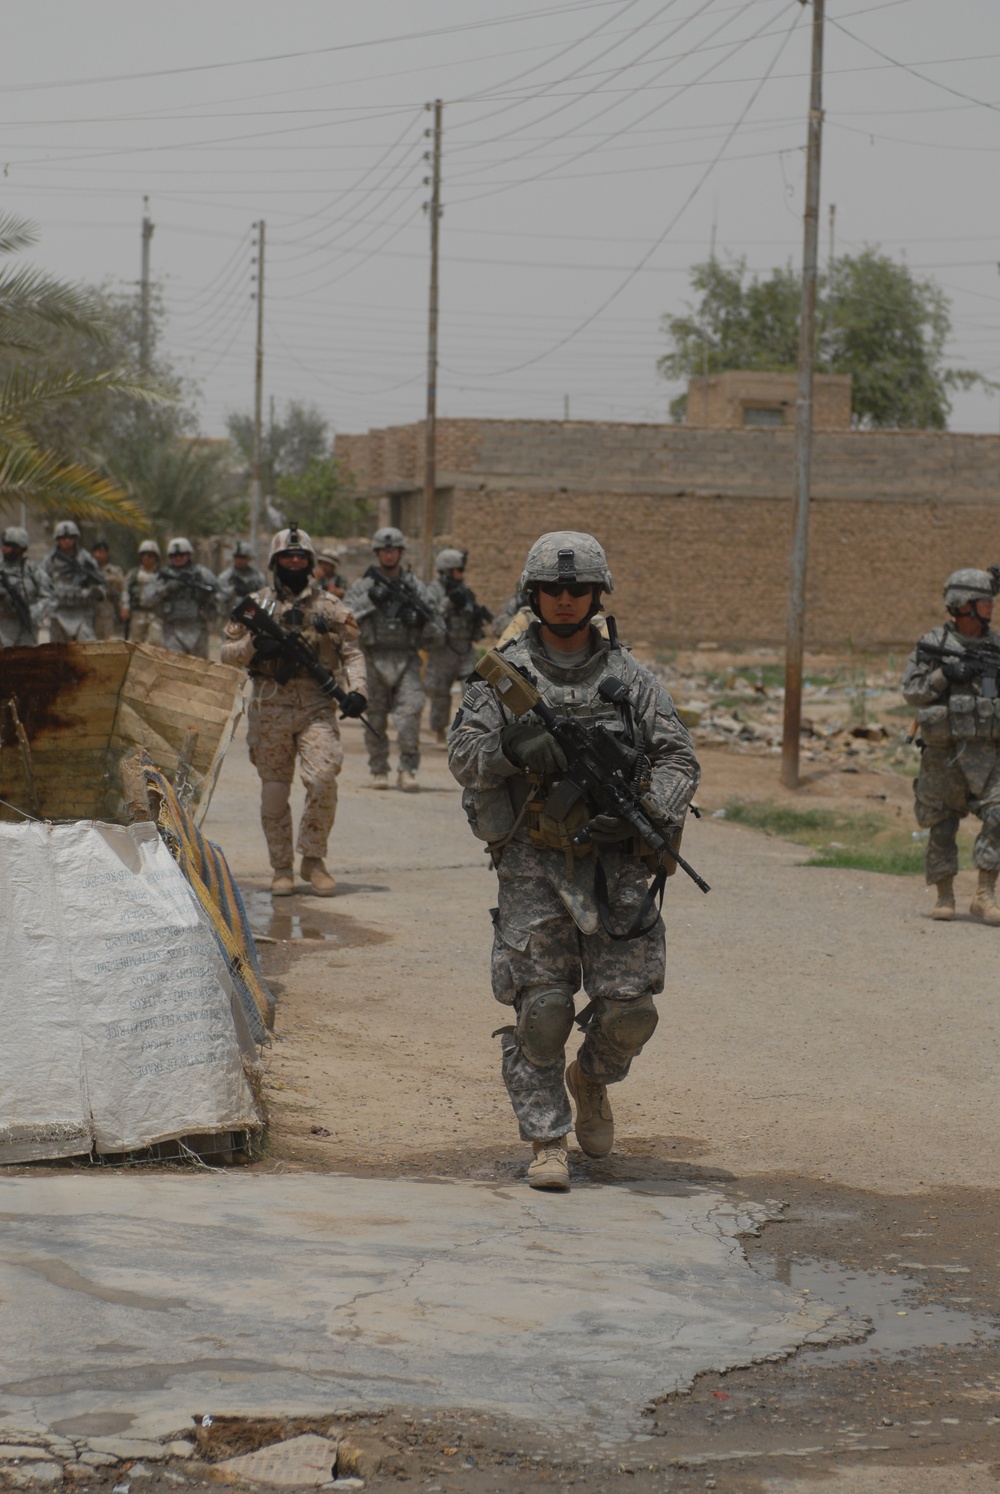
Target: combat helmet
450, 560
149, 547
15, 535
388, 538
180, 546
66, 529
566, 555
291, 541
242, 550
968, 585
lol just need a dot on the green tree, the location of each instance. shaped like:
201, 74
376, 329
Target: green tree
38, 386
875, 321
321, 500
288, 445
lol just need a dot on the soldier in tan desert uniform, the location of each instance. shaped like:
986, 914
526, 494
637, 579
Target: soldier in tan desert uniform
290, 718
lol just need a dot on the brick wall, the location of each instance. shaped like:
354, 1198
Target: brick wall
697, 523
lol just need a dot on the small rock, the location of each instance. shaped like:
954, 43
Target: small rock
140, 1470
172, 1477
97, 1460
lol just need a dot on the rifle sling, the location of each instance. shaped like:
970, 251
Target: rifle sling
649, 904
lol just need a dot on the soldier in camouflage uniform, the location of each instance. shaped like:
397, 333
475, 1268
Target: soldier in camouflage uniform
959, 727
76, 582
25, 591
289, 715
465, 623
240, 579
141, 622
106, 616
561, 905
184, 598
395, 626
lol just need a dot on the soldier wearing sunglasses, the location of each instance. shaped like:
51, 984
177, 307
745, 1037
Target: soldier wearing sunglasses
571, 913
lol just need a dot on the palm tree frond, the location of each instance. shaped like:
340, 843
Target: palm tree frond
53, 485
16, 233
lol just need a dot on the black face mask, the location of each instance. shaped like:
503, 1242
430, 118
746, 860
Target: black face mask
293, 581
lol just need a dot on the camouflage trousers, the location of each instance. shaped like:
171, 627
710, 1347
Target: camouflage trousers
83, 631
144, 627
943, 796
536, 942
106, 623
404, 701
184, 639
289, 722
444, 667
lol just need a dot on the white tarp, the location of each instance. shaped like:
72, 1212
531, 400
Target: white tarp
120, 1028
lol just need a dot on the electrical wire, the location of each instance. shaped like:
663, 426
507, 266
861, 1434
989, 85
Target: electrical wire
910, 68
569, 337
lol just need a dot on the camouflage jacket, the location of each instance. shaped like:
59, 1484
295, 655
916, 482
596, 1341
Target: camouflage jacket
334, 641
26, 596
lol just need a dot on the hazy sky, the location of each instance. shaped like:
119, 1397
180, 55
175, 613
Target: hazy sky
591, 148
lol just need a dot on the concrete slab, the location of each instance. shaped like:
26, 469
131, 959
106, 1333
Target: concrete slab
134, 1302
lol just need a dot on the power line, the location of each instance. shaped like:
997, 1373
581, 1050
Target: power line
908, 67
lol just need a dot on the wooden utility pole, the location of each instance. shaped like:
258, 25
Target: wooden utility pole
145, 338
430, 428
804, 420
258, 395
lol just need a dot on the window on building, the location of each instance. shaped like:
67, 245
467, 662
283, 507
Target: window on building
763, 415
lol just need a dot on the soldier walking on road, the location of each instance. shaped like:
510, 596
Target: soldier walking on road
240, 579
570, 914
106, 616
951, 677
397, 618
289, 715
25, 591
141, 622
465, 623
184, 598
76, 582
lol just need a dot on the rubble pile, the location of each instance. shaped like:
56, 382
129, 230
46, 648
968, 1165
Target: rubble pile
853, 713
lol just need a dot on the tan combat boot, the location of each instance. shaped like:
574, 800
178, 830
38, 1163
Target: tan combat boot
380, 780
984, 903
407, 781
283, 882
595, 1125
549, 1167
944, 908
316, 874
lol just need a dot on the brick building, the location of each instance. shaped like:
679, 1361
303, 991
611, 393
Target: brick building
697, 522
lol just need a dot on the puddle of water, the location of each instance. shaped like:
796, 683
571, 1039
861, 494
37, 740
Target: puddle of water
264, 921
899, 1322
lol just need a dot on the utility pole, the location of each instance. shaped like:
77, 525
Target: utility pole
144, 327
258, 394
833, 224
430, 429
804, 420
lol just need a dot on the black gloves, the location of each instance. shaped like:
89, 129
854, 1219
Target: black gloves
353, 703
528, 744
266, 648
959, 671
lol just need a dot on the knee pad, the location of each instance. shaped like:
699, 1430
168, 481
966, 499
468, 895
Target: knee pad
544, 1022
627, 1025
274, 798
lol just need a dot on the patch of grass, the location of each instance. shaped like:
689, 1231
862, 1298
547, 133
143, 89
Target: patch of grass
863, 841
895, 861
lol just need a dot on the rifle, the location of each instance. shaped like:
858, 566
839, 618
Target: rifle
18, 601
187, 577
598, 764
401, 600
463, 600
295, 651
985, 658
82, 572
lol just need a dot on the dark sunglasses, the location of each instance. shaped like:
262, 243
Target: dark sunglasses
575, 588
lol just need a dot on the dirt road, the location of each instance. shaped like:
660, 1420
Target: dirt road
821, 1042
